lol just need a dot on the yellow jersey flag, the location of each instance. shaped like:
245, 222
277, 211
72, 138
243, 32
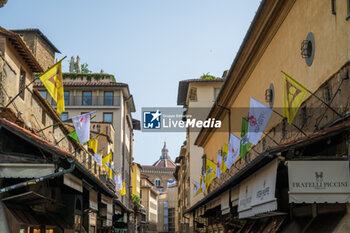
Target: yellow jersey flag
52, 80
293, 96
93, 144
123, 191
210, 173
224, 158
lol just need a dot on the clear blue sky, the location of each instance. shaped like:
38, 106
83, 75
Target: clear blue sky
149, 44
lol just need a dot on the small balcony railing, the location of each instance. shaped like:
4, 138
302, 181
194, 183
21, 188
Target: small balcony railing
90, 101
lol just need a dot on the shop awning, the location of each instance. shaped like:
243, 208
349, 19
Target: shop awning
72, 181
319, 181
109, 210
225, 203
27, 217
25, 170
30, 197
257, 192
93, 202
235, 195
245, 198
226, 198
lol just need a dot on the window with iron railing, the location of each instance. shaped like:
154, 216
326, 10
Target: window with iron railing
87, 98
66, 97
108, 98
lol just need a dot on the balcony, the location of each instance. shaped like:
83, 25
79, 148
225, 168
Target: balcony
95, 101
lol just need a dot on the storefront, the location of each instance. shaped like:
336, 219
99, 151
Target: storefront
257, 203
257, 192
319, 193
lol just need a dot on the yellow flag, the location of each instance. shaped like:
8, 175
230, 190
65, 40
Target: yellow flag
210, 173
93, 144
224, 158
293, 96
123, 191
107, 163
52, 80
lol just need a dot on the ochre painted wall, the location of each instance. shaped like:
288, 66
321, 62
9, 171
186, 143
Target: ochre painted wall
332, 51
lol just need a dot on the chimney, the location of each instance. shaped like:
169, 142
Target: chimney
71, 65
78, 65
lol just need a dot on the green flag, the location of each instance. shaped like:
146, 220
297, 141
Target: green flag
74, 135
244, 142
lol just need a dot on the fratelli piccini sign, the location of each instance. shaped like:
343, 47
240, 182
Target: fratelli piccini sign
319, 181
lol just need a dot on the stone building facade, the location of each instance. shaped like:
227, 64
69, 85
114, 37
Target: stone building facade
43, 49
46, 177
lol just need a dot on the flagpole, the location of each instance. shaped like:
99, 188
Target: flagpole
339, 115
65, 136
335, 94
20, 92
272, 139
36, 78
58, 122
52, 66
54, 124
279, 114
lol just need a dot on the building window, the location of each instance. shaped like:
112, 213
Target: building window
64, 116
43, 94
87, 98
108, 98
66, 97
108, 117
165, 204
157, 182
165, 211
193, 94
165, 222
22, 83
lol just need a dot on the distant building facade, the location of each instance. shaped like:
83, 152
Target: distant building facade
161, 173
197, 96
113, 104
149, 199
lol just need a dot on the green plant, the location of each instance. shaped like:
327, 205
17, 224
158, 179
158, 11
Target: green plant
208, 76
84, 68
89, 77
135, 201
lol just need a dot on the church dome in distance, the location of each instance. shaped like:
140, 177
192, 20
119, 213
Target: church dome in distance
164, 160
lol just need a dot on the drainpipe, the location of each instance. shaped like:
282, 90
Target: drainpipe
40, 179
